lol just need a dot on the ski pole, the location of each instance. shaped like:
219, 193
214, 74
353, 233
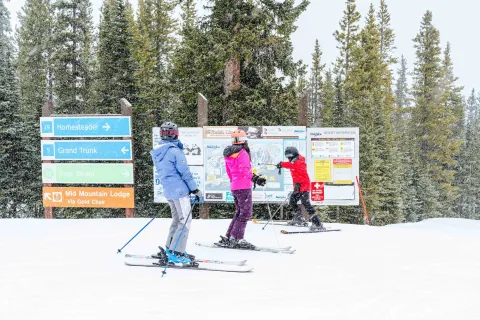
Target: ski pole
270, 214
197, 198
271, 164
120, 250
275, 213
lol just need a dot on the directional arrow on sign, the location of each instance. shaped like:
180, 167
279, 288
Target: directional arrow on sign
124, 150
47, 196
125, 174
106, 126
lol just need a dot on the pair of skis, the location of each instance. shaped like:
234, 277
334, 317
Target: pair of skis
228, 266
235, 266
286, 250
285, 224
309, 231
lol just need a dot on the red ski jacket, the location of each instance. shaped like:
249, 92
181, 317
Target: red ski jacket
298, 168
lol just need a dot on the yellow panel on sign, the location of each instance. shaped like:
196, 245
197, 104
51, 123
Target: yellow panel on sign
322, 170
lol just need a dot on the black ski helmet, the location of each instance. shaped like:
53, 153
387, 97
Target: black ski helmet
168, 131
291, 152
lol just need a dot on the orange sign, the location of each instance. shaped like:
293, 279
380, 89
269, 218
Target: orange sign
88, 197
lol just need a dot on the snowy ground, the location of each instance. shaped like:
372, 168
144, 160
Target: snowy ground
69, 269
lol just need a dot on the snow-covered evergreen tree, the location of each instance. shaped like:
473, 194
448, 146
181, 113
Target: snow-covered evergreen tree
72, 45
11, 126
115, 70
34, 66
316, 87
468, 175
433, 121
368, 84
250, 54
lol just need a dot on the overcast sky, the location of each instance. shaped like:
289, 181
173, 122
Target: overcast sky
457, 21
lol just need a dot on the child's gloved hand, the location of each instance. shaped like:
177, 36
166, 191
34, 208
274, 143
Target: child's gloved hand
261, 181
258, 180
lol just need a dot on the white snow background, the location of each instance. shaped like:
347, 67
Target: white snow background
69, 269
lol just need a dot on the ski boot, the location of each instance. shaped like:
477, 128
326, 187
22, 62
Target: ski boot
190, 256
178, 258
298, 220
241, 244
317, 224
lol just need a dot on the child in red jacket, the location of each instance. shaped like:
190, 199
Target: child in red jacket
301, 181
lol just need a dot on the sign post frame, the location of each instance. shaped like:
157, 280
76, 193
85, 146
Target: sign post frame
126, 111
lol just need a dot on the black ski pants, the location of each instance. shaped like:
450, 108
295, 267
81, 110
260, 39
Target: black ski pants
304, 198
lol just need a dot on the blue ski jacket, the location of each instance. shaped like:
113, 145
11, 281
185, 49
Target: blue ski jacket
172, 169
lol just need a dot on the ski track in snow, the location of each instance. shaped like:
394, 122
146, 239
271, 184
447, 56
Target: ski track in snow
69, 270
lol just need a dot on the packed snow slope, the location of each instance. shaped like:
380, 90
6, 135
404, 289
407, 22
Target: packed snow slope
70, 269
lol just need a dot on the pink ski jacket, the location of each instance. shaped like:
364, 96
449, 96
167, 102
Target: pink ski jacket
239, 168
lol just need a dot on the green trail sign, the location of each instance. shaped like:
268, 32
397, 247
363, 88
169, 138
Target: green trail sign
91, 173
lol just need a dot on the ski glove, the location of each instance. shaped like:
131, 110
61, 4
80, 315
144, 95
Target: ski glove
258, 180
279, 167
297, 187
197, 193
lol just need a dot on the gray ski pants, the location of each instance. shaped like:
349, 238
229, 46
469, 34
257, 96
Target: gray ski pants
180, 209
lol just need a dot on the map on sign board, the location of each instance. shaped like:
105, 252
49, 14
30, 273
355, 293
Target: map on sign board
333, 165
332, 156
267, 145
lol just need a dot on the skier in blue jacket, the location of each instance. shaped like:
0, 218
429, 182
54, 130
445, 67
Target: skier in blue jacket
178, 183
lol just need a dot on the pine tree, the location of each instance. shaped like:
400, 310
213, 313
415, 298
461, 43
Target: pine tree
188, 72
328, 100
432, 121
35, 82
115, 70
72, 42
402, 91
408, 168
11, 149
472, 107
468, 176
387, 36
155, 41
316, 87
453, 93
339, 112
348, 36
251, 52
152, 49
369, 84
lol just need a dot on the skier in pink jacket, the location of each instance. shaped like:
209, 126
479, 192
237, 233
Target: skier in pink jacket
239, 170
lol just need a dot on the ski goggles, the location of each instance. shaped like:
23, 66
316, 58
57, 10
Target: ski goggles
169, 132
239, 140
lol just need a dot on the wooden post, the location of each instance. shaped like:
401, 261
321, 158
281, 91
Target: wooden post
202, 120
303, 121
365, 213
47, 110
127, 110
